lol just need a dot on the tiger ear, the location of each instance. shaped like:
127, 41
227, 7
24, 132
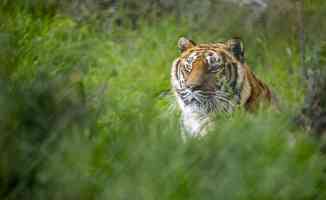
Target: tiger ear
184, 44
236, 46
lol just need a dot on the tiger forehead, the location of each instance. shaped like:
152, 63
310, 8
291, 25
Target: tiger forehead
200, 49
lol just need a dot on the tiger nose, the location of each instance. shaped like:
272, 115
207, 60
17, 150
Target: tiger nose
193, 86
194, 83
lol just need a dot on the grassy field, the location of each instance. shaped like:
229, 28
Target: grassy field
88, 114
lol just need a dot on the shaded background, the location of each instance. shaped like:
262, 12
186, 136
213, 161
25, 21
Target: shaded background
86, 110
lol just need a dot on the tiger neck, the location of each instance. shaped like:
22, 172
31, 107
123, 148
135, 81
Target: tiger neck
194, 123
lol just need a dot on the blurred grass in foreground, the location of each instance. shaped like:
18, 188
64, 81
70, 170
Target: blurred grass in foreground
88, 115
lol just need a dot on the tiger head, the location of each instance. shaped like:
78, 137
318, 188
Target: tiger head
208, 77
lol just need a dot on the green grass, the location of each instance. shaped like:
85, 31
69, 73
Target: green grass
97, 121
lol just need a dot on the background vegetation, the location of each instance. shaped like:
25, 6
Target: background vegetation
86, 110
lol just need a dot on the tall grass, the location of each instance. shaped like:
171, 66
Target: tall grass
89, 115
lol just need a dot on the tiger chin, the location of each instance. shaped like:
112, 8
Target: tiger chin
214, 78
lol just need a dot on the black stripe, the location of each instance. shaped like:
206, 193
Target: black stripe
177, 69
227, 71
234, 75
182, 72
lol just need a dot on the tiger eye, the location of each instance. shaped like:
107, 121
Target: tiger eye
215, 63
213, 59
189, 60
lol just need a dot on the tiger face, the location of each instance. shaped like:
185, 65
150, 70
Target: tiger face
214, 77
208, 77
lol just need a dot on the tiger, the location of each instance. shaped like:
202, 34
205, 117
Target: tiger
210, 78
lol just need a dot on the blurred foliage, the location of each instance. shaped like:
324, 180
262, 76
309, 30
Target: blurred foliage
86, 111
313, 113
